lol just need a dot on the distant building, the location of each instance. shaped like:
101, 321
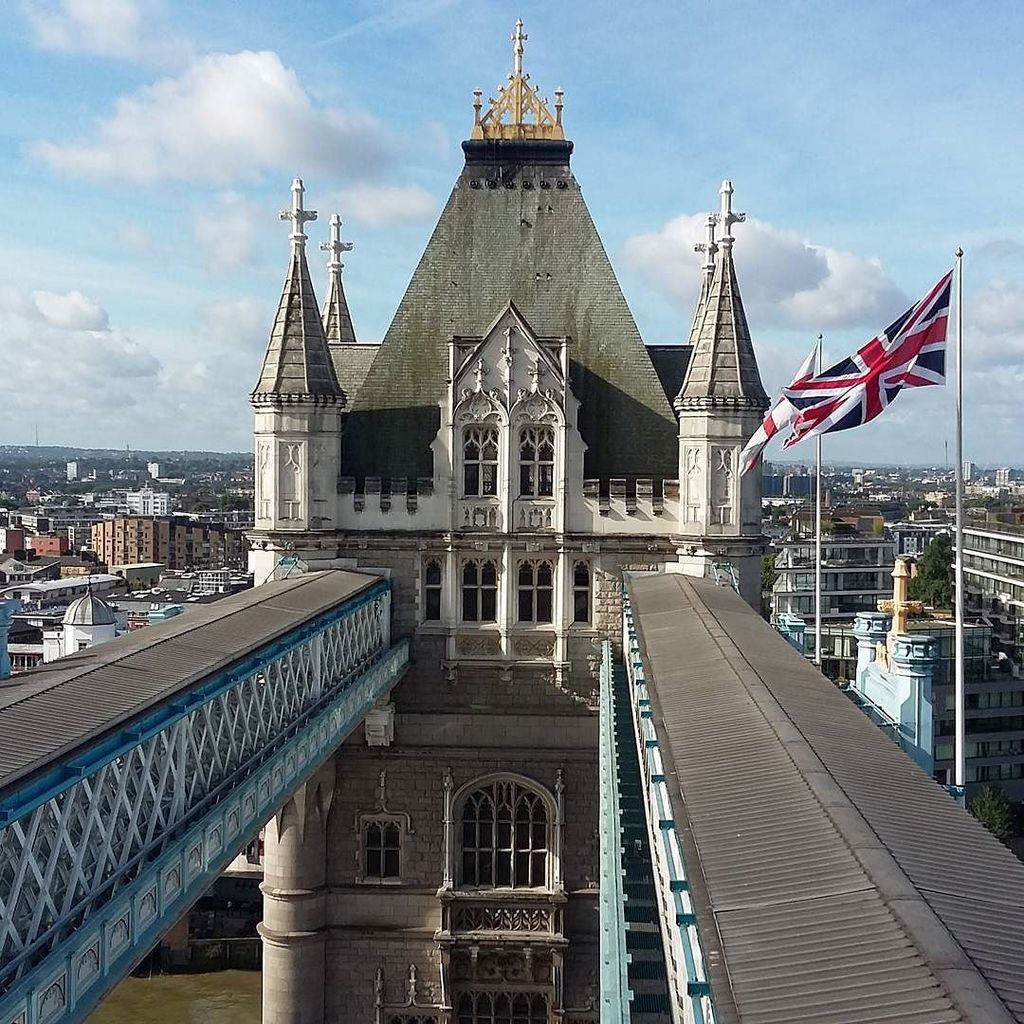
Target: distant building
88, 621
16, 570
153, 468
969, 471
911, 539
994, 582
138, 574
48, 544
1004, 477
72, 470
147, 502
856, 575
12, 540
796, 485
48, 593
129, 540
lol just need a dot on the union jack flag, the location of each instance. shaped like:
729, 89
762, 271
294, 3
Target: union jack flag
909, 353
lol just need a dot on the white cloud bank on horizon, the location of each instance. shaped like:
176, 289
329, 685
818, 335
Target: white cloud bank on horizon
131, 30
227, 117
785, 280
383, 205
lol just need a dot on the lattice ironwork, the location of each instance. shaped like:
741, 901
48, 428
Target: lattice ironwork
71, 853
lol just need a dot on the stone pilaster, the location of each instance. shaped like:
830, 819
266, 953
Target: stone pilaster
295, 905
870, 629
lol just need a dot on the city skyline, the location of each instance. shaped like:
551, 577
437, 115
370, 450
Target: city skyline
146, 257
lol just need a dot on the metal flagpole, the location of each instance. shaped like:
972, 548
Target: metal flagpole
958, 769
817, 533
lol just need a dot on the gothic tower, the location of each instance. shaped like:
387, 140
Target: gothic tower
298, 403
720, 405
507, 452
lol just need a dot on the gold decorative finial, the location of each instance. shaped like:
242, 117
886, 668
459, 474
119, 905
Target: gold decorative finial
519, 112
900, 607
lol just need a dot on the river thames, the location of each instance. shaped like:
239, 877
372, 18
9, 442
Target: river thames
220, 997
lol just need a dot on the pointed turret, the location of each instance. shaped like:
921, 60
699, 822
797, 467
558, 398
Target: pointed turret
722, 368
297, 366
336, 318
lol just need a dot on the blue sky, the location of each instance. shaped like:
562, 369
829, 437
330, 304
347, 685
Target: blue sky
147, 146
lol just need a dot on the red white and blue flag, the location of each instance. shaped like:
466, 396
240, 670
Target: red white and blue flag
910, 353
779, 416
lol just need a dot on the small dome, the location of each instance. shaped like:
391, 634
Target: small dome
89, 610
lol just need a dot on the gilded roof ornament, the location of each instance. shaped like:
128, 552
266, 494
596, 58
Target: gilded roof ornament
519, 112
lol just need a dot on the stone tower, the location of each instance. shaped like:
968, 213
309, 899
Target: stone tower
506, 452
298, 403
720, 405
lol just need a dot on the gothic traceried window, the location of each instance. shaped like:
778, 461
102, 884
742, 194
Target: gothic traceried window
535, 591
382, 850
480, 591
432, 577
480, 461
502, 1008
536, 462
504, 837
581, 592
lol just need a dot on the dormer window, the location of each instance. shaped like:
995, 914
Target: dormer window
536, 462
480, 462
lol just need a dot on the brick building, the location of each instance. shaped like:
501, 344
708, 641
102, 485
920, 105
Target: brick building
175, 544
507, 450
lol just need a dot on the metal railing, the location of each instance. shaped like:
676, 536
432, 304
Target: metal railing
688, 981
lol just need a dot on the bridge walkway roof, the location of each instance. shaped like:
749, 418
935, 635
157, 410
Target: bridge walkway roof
834, 880
64, 706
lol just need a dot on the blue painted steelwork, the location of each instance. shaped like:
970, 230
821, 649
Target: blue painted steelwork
614, 981
117, 844
688, 981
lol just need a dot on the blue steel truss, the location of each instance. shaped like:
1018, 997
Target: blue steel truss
100, 856
688, 982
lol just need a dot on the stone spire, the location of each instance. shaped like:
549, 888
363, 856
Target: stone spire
297, 366
337, 319
722, 370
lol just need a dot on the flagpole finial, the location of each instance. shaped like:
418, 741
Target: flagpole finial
959, 253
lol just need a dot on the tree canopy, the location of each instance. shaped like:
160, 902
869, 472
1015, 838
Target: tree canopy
933, 583
993, 809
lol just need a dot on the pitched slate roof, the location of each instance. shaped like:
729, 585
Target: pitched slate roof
722, 367
351, 364
297, 365
337, 319
515, 228
834, 880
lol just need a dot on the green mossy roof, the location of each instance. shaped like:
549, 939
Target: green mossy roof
538, 248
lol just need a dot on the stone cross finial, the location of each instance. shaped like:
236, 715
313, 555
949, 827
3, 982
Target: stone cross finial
518, 38
900, 606
335, 246
708, 247
297, 215
726, 217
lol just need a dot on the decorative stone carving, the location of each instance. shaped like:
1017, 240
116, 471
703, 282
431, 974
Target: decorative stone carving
487, 645
534, 646
722, 486
477, 516
379, 724
501, 919
290, 478
535, 515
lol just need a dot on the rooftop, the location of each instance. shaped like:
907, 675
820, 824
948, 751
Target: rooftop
834, 880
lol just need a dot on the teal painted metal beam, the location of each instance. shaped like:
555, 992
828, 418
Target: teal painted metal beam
615, 994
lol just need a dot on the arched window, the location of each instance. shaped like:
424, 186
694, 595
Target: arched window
480, 461
536, 462
504, 837
480, 591
502, 1008
432, 590
534, 590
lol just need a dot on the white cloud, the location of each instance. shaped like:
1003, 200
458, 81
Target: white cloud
94, 374
71, 311
379, 205
227, 117
134, 30
133, 236
239, 324
994, 326
226, 234
785, 280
